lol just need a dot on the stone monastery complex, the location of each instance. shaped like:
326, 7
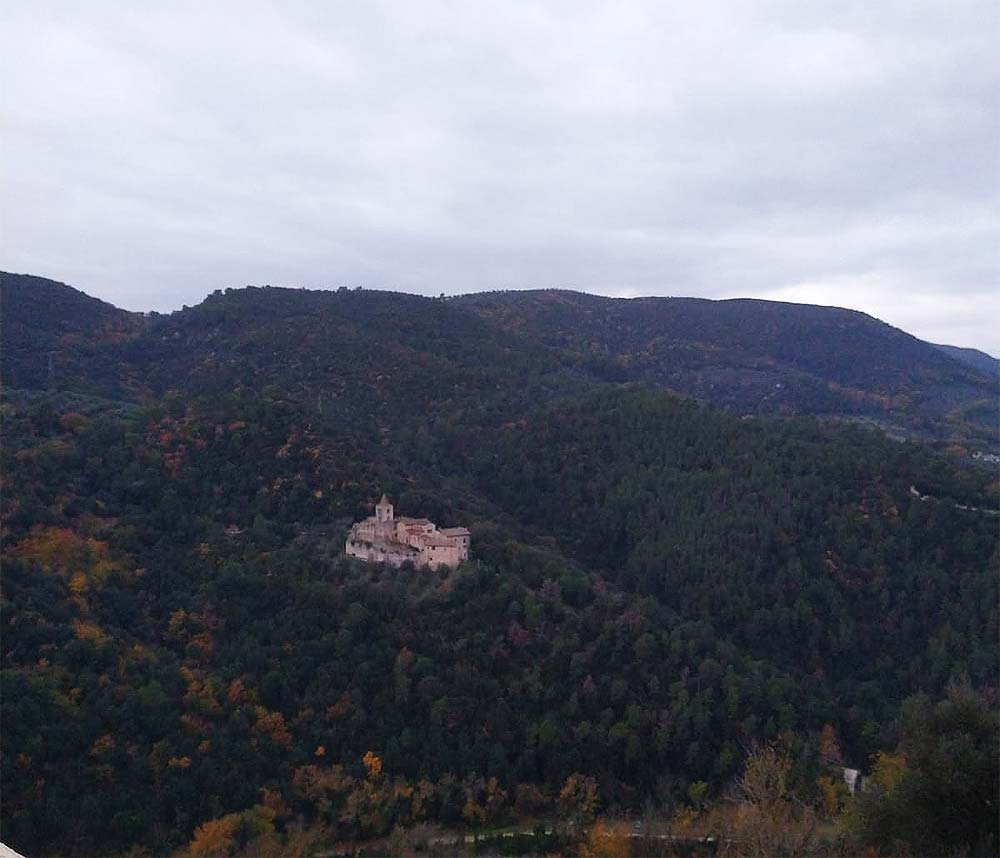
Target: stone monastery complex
383, 538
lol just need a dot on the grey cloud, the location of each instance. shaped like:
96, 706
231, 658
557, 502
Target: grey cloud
836, 153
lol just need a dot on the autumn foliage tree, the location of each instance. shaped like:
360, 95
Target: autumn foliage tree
766, 819
579, 798
233, 834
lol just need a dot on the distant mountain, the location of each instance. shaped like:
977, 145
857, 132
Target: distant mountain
973, 357
759, 357
374, 356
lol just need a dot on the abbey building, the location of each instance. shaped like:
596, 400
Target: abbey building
383, 538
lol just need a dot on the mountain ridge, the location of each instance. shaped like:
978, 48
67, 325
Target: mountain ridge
749, 356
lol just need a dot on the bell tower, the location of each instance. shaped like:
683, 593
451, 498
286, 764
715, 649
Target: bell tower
383, 510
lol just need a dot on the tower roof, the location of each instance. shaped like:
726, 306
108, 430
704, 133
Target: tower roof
385, 500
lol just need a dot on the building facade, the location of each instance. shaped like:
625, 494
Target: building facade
383, 538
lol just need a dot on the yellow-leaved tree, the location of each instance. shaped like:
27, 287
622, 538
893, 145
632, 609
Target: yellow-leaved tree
607, 839
235, 834
373, 764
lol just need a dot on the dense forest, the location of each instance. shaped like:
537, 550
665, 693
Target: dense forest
668, 605
369, 355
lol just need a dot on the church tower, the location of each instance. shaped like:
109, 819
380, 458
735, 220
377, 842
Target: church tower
383, 510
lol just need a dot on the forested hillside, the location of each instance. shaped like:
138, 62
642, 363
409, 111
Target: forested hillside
978, 360
662, 595
762, 357
368, 355
56, 337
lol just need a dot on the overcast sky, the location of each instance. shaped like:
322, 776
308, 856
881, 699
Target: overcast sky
843, 153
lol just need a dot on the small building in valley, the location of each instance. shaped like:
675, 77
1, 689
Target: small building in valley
383, 538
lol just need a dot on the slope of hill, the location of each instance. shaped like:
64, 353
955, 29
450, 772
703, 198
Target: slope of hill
359, 355
656, 586
761, 357
984, 363
56, 337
